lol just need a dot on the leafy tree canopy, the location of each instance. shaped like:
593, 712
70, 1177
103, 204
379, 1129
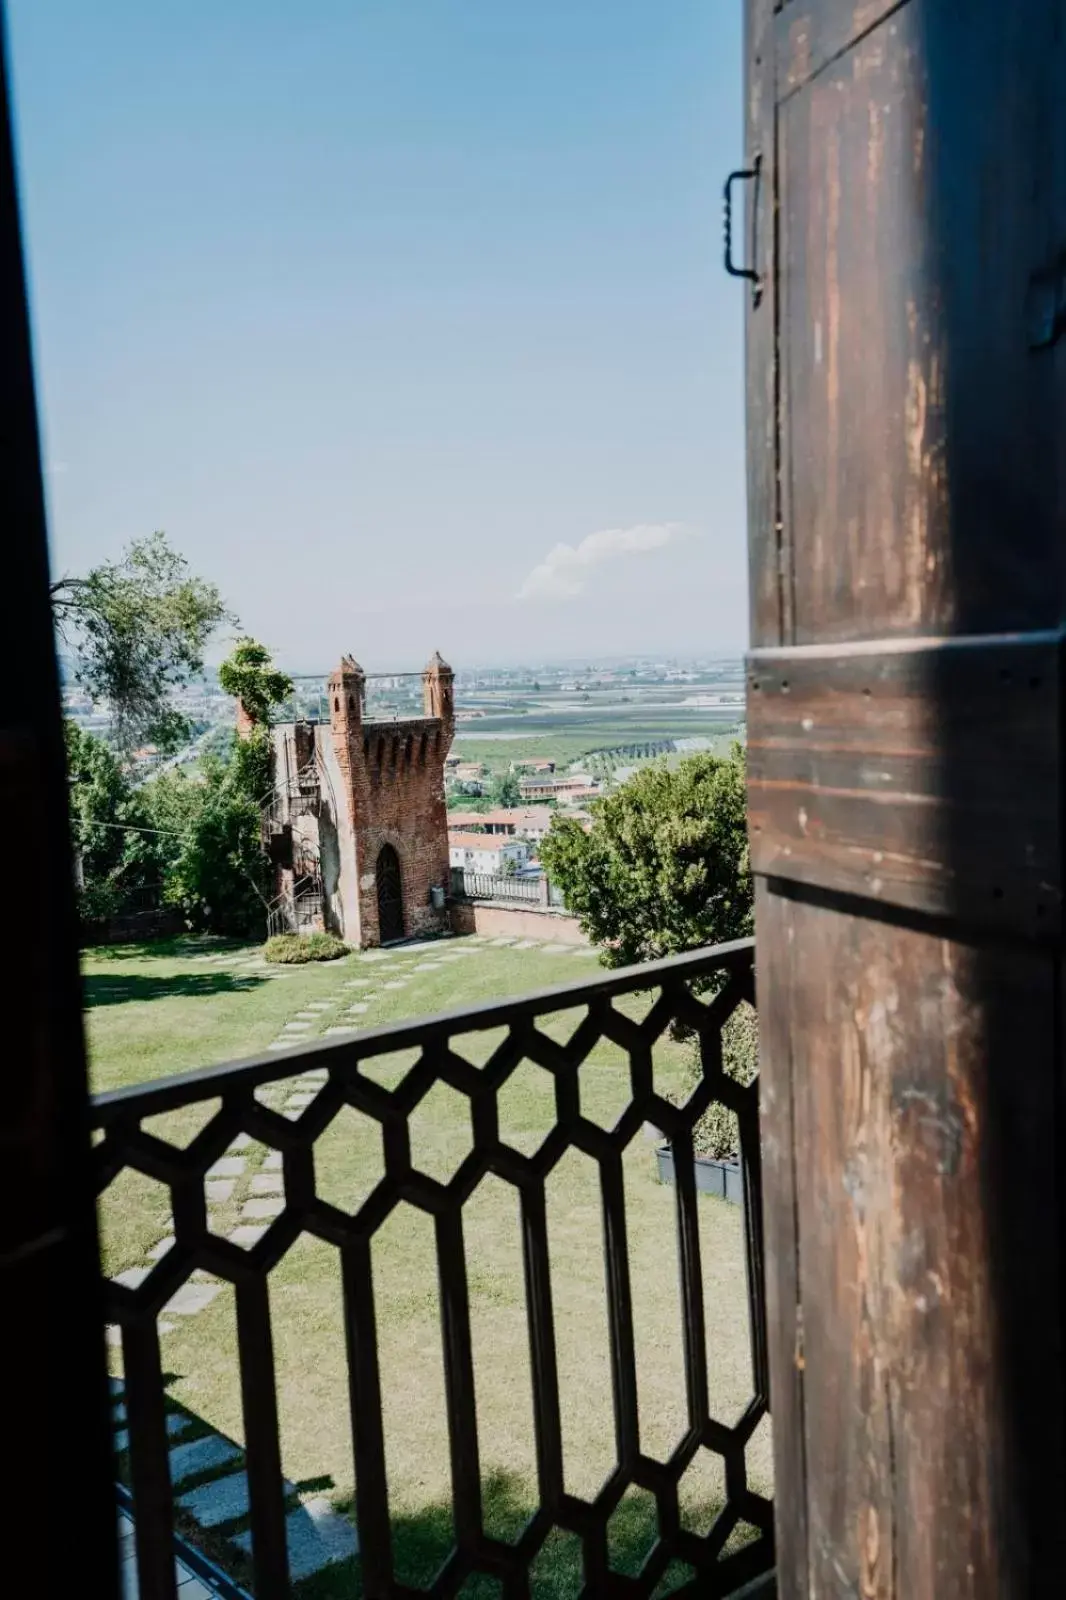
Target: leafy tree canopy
250, 675
504, 790
138, 627
107, 822
215, 868
665, 865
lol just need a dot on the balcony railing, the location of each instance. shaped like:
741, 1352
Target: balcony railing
472, 885
635, 1010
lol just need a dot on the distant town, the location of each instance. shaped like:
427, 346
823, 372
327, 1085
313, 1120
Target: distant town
555, 724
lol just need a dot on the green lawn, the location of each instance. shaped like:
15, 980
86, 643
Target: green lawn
167, 1008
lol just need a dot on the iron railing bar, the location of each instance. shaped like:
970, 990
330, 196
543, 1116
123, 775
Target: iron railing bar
543, 1361
754, 1244
693, 1331
153, 1501
620, 1312
259, 1401
368, 1429
164, 1094
459, 1379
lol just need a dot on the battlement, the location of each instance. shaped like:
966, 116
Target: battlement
380, 827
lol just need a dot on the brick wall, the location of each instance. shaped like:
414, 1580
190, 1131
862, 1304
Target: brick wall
527, 922
393, 777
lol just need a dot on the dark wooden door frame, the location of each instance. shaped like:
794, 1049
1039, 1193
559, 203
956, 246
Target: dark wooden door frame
906, 391
57, 1500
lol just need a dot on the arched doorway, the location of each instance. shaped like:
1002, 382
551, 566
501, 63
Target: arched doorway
390, 895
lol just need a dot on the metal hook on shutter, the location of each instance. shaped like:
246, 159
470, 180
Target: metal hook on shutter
747, 174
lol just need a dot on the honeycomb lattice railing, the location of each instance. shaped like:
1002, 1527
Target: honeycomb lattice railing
696, 992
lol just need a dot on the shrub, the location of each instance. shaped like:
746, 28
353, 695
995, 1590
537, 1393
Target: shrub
290, 949
716, 1133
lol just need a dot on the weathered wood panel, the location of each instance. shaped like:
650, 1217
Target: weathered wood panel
921, 429
810, 36
906, 803
932, 1379
770, 619
871, 772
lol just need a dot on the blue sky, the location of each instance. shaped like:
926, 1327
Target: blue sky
374, 305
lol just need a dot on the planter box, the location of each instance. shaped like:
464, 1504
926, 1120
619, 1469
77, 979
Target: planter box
721, 1178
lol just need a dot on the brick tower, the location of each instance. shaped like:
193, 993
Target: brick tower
381, 825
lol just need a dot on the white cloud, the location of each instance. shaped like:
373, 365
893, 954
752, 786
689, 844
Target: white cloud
565, 569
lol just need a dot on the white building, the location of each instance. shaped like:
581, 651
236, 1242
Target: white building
487, 852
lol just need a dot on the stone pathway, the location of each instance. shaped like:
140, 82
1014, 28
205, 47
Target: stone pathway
211, 1485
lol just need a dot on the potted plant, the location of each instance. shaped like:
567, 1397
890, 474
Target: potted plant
716, 1137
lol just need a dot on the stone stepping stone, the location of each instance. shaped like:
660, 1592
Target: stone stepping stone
241, 1142
191, 1298
301, 1100
357, 1010
359, 983
116, 1385
273, 1161
526, 944
268, 1183
160, 1249
320, 1005
500, 942
418, 945
227, 1167
306, 1016
298, 1027
247, 1235
133, 1277
397, 983
425, 966
263, 1206
177, 1424
219, 1190
341, 1029
119, 1414
316, 1536
223, 1500
281, 1044
201, 1455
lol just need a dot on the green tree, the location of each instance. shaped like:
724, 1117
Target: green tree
108, 822
217, 871
137, 629
250, 675
505, 790
665, 866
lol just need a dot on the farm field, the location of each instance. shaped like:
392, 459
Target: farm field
573, 739
153, 1010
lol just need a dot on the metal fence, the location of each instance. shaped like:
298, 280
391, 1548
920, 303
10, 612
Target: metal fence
497, 886
633, 1009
